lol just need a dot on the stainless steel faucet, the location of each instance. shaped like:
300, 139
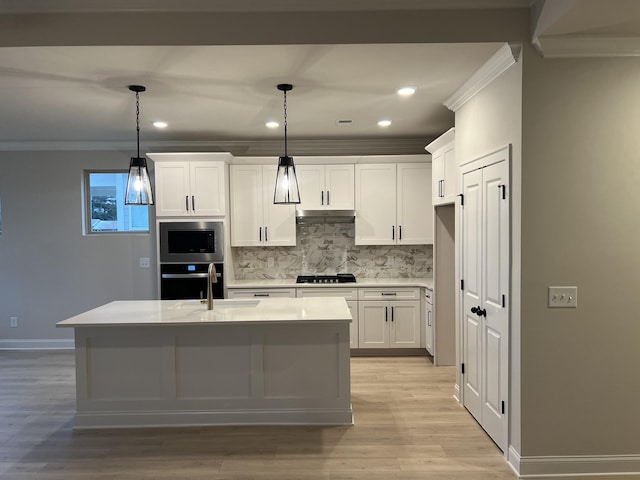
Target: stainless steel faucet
213, 278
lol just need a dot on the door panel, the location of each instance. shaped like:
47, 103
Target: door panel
373, 329
339, 187
311, 186
472, 366
405, 324
279, 220
246, 205
375, 204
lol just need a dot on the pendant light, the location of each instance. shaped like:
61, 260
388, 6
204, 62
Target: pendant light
286, 192
138, 184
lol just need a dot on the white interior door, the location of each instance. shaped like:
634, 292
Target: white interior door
472, 276
485, 272
495, 282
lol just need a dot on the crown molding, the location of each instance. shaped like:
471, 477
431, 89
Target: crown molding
363, 146
592, 46
447, 137
504, 58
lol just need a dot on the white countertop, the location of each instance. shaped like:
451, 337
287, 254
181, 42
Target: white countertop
360, 282
192, 312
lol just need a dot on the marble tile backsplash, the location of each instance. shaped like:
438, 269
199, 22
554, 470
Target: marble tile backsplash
329, 249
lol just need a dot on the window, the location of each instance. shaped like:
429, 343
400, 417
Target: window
105, 210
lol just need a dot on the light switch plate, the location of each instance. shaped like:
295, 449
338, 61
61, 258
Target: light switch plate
563, 297
144, 262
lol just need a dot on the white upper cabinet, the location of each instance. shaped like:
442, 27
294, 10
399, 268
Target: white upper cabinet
255, 220
190, 184
326, 187
445, 169
393, 204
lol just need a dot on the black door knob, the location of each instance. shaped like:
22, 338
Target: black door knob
474, 309
482, 312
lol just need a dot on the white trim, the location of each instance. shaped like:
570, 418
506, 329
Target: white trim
566, 46
37, 344
442, 140
504, 58
456, 392
513, 459
576, 466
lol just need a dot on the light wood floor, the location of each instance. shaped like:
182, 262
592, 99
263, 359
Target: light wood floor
407, 426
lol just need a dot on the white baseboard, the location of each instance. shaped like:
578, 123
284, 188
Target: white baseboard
37, 344
456, 392
573, 466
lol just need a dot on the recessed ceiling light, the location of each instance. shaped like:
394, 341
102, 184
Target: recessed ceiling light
384, 123
272, 124
406, 91
160, 124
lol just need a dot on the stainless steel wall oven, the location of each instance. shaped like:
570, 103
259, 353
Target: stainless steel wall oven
186, 249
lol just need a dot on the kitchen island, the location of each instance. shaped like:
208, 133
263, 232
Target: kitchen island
175, 363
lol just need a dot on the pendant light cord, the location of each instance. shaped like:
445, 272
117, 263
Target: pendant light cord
138, 121
285, 124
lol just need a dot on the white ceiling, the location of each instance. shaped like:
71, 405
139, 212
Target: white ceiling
67, 95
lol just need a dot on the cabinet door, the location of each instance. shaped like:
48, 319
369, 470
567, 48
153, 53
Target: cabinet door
429, 329
353, 326
246, 205
339, 187
375, 204
405, 324
279, 220
373, 324
207, 188
450, 189
415, 212
437, 176
172, 189
311, 185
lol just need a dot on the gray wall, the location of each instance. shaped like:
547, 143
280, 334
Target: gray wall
489, 121
49, 270
580, 209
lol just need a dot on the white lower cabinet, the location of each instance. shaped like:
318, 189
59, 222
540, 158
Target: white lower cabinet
387, 323
349, 294
428, 325
258, 293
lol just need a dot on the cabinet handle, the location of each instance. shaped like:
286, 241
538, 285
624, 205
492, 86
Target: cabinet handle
266, 234
193, 203
260, 234
400, 232
386, 313
393, 232
392, 309
328, 200
322, 197
428, 318
186, 202
389, 294
260, 294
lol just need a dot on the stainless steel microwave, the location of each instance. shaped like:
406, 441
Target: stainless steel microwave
194, 242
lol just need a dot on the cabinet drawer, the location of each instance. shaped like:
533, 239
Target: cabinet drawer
389, 294
346, 293
262, 293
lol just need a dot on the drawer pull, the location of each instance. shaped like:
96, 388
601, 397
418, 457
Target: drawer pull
388, 294
260, 294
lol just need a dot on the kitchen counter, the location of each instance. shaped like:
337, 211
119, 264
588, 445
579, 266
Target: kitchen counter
275, 361
360, 283
192, 312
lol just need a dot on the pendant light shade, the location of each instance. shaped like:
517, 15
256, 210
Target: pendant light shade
286, 191
138, 190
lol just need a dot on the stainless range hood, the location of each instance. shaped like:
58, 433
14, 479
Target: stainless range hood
325, 216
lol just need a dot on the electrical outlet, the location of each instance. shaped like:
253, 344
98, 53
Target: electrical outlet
144, 262
270, 262
13, 322
563, 297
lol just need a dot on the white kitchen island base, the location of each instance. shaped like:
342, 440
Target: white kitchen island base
291, 371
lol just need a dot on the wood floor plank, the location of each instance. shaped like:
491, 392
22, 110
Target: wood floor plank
407, 427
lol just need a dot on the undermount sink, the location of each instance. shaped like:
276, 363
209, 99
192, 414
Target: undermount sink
217, 304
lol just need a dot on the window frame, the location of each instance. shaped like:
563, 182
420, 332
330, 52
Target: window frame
87, 209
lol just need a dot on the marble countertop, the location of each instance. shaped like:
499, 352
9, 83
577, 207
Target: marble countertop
192, 312
360, 282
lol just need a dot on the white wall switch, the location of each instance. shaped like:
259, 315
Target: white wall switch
13, 322
144, 262
563, 297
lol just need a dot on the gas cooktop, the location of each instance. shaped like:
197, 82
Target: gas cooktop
339, 278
